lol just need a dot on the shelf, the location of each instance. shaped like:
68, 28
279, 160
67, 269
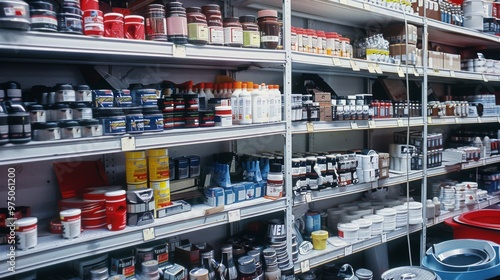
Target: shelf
52, 249
331, 253
36, 151
40, 46
459, 120
333, 126
332, 192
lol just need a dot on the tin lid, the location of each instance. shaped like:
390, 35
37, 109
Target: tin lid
81, 87
47, 125
149, 266
362, 222
157, 152
135, 155
319, 234
246, 265
70, 212
28, 221
34, 107
115, 193
409, 272
267, 13
64, 124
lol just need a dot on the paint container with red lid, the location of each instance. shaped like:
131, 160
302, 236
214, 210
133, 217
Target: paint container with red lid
71, 220
116, 210
93, 23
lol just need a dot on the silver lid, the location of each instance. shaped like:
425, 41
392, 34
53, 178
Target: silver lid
409, 273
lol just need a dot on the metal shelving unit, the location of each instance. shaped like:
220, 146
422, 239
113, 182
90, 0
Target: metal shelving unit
335, 126
52, 249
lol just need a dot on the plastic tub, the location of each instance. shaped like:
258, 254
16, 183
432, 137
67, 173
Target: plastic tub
365, 228
348, 231
377, 222
319, 238
479, 224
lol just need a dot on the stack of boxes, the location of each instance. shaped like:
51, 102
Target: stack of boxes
325, 105
397, 37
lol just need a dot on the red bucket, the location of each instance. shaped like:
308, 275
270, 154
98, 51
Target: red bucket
479, 224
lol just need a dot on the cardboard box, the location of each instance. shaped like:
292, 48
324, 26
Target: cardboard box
325, 114
419, 58
433, 9
322, 96
399, 52
397, 34
451, 61
396, 89
435, 60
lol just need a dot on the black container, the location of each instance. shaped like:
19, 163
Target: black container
70, 22
12, 90
14, 18
19, 128
4, 126
153, 119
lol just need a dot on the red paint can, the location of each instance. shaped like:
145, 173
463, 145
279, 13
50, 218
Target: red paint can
116, 210
93, 23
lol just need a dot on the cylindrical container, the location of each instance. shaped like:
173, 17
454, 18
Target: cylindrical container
161, 191
348, 231
223, 116
26, 233
377, 223
269, 29
71, 221
134, 120
91, 128
364, 274
214, 22
158, 165
191, 119
319, 238
19, 128
70, 23
83, 93
207, 118
81, 111
59, 112
37, 113
149, 270
177, 31
136, 167
43, 17
233, 32
89, 5
15, 18
134, 27
313, 221
198, 274
144, 253
251, 34
389, 215
45, 131
112, 120
64, 93
99, 273
93, 23
116, 210
153, 119
365, 227
197, 26
114, 25
156, 23
70, 129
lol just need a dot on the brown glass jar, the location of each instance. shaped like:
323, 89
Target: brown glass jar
233, 32
197, 26
269, 29
215, 25
251, 34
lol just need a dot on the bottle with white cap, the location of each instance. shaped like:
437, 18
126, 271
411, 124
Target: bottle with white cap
245, 104
235, 101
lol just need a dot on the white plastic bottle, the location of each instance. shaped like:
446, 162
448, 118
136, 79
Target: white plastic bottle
279, 110
235, 103
257, 105
265, 105
270, 101
208, 90
245, 105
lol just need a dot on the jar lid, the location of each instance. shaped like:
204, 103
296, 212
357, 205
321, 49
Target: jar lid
255, 254
157, 153
70, 212
193, 10
59, 106
362, 222
28, 221
47, 125
63, 86
88, 122
319, 234
364, 273
246, 265
34, 107
78, 105
386, 211
10, 85
347, 226
267, 13
67, 124
231, 19
374, 218
150, 266
115, 193
135, 155
247, 18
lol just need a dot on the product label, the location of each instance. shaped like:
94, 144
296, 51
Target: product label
136, 170
84, 114
251, 39
19, 130
73, 24
295, 171
268, 38
4, 131
274, 189
197, 31
44, 20
159, 168
93, 19
233, 35
216, 35
14, 11
156, 26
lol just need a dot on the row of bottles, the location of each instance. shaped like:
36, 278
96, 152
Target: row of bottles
252, 103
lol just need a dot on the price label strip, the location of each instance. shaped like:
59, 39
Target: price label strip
336, 61
148, 234
234, 215
400, 123
354, 66
128, 143
354, 125
372, 124
436, 72
348, 250
452, 74
371, 68
378, 69
179, 50
383, 237
310, 127
367, 6
345, 2
479, 120
401, 74
415, 72
429, 119
457, 120
484, 78
308, 197
304, 266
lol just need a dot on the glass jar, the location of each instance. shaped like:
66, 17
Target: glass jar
177, 32
293, 39
156, 23
321, 41
214, 22
269, 29
197, 26
233, 32
251, 35
301, 41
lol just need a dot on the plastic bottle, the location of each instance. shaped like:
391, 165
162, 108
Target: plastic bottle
437, 206
202, 97
277, 103
209, 90
230, 273
487, 146
265, 104
245, 104
235, 102
270, 101
257, 105
430, 209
